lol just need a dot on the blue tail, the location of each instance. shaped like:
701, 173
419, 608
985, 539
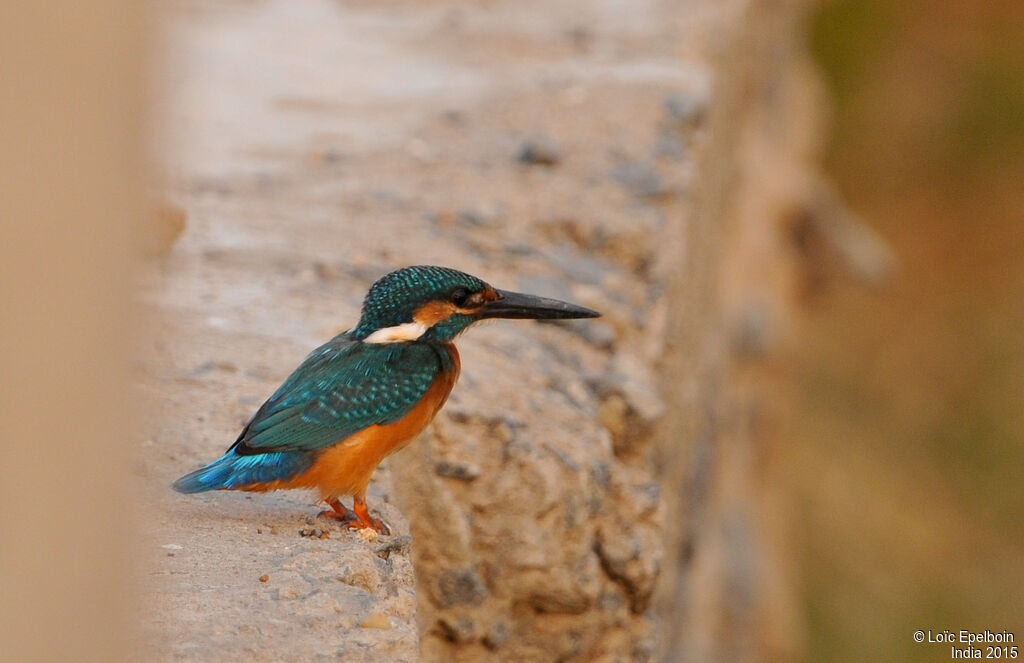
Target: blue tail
233, 470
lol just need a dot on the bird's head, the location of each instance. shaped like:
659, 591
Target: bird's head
438, 303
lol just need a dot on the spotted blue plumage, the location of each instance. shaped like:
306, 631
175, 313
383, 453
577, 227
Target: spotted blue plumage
341, 388
357, 379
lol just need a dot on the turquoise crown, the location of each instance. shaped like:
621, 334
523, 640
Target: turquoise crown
394, 298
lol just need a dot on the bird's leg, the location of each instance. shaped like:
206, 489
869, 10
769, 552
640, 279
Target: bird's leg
340, 512
358, 519
363, 513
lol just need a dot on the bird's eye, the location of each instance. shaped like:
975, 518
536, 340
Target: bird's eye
459, 296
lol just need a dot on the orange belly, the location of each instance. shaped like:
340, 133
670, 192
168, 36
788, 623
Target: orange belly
346, 467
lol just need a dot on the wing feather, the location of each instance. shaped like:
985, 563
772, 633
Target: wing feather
343, 387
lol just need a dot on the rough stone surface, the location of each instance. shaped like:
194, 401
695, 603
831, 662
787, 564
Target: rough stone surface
363, 137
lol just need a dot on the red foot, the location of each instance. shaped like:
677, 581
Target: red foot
360, 518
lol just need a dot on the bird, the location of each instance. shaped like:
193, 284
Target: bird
367, 392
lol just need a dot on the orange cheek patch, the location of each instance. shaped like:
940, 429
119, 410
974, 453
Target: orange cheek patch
432, 313
437, 311
489, 295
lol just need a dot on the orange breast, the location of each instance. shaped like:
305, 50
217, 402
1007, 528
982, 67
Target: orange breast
346, 467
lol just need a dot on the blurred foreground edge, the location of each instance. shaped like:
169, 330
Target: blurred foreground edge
70, 162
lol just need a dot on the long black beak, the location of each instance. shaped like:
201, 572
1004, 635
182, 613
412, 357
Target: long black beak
518, 305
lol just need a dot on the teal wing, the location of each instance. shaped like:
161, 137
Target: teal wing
343, 387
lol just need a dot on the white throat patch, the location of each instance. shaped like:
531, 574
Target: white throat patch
409, 331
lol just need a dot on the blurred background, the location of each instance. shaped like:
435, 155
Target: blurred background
845, 458
908, 456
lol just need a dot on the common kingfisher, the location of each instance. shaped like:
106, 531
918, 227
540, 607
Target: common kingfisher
368, 391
